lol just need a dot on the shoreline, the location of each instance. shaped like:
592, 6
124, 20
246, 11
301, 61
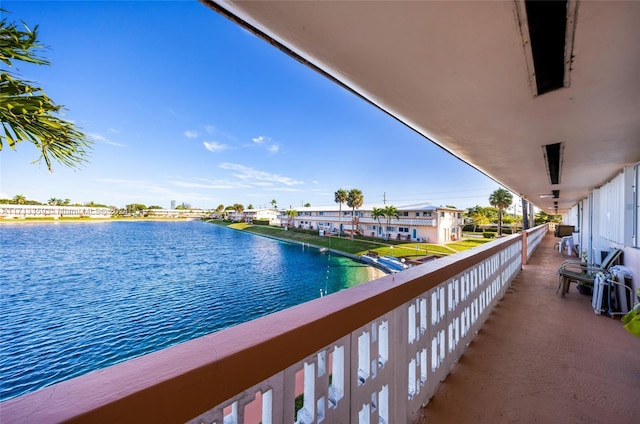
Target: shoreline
376, 270
108, 220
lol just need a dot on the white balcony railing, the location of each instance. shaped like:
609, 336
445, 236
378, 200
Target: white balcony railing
374, 353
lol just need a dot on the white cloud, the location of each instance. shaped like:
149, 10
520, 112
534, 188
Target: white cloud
263, 141
273, 148
191, 134
140, 186
254, 176
101, 139
288, 189
209, 185
213, 146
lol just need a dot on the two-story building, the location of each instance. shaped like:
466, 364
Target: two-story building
425, 223
249, 215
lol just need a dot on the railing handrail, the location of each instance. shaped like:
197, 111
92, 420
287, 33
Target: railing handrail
207, 371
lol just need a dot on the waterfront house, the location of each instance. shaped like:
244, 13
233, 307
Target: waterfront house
174, 213
421, 222
541, 96
249, 215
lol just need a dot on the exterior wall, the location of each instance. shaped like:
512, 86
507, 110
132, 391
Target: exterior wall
608, 218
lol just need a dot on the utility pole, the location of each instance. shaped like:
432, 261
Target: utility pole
384, 198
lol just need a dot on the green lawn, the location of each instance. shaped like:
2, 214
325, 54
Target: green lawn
360, 245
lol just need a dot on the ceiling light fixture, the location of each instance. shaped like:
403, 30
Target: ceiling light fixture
553, 161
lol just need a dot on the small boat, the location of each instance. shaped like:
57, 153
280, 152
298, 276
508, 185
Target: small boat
392, 263
389, 264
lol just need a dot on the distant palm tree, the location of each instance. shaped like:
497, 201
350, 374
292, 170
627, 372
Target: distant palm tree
19, 199
500, 199
53, 202
27, 113
377, 213
354, 201
390, 212
274, 204
291, 213
340, 198
238, 208
219, 210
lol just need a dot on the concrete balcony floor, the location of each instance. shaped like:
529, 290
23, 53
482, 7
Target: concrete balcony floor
541, 358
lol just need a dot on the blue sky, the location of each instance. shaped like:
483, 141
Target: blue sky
184, 105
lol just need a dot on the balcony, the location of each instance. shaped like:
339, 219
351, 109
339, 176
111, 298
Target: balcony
473, 336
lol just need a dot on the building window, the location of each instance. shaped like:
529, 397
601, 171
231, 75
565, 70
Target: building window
417, 214
441, 214
428, 213
320, 213
404, 213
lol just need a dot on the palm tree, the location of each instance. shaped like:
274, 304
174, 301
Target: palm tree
19, 199
53, 202
291, 213
500, 199
274, 204
26, 112
354, 201
238, 208
340, 197
390, 212
377, 213
219, 210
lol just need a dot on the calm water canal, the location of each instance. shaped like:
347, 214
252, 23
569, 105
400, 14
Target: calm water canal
76, 297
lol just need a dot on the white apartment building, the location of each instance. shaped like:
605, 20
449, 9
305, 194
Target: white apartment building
248, 215
425, 223
175, 213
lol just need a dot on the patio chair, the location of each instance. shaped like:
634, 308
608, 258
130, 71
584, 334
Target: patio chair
577, 272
